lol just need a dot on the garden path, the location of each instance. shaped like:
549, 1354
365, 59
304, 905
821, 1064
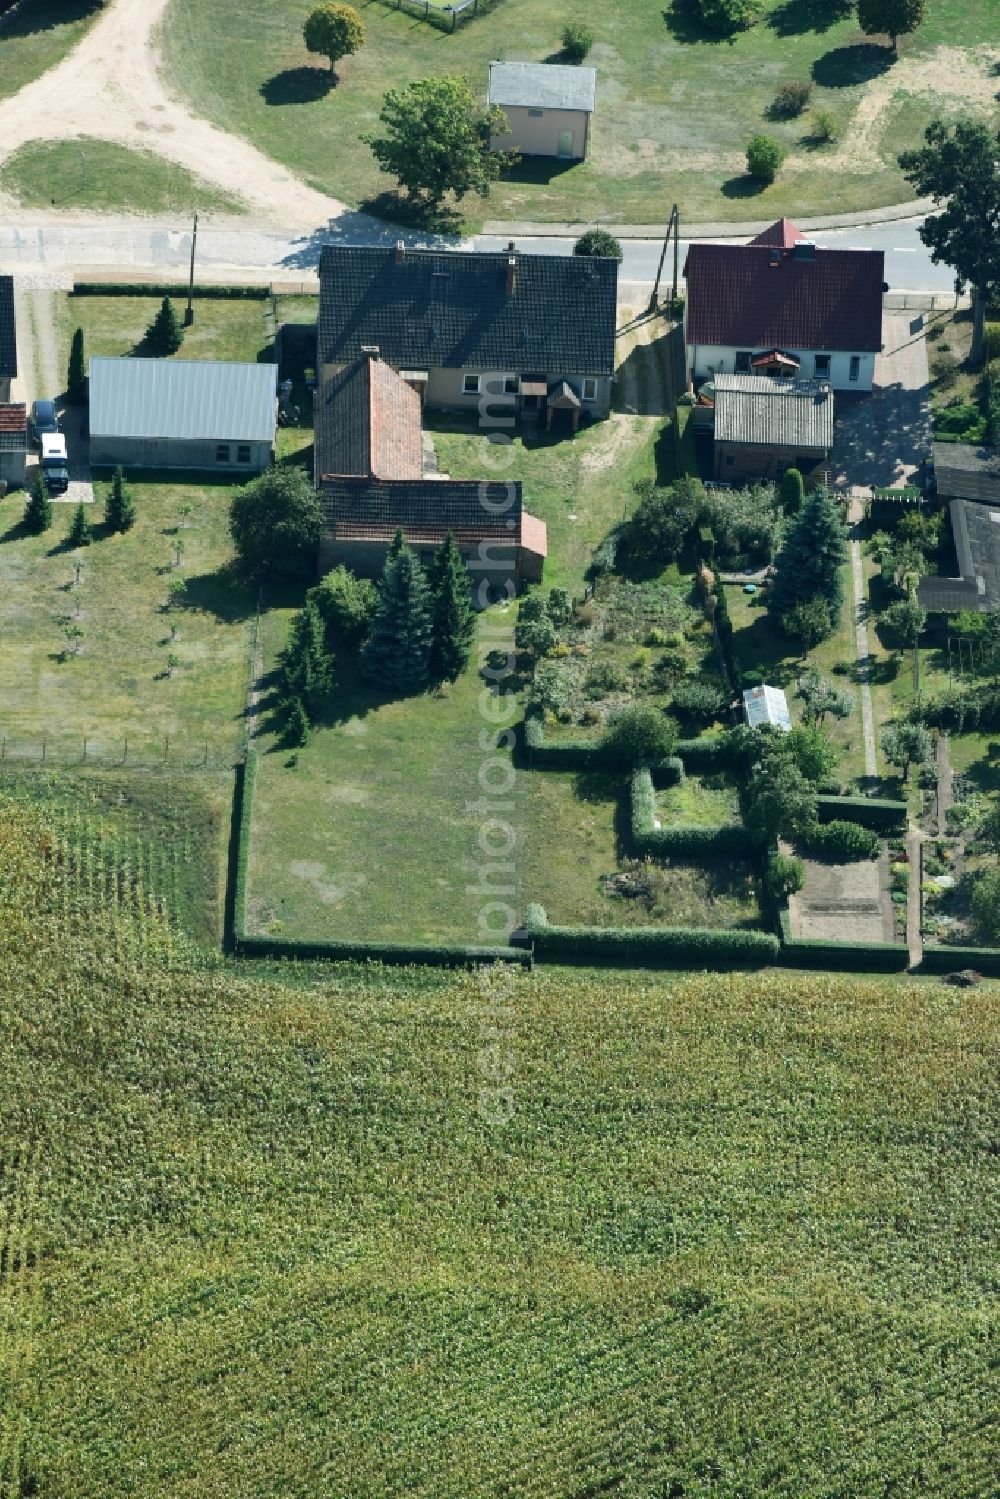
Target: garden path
855, 516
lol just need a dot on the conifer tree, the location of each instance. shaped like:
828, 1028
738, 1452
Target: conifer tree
80, 532
306, 664
165, 334
296, 722
792, 491
398, 649
38, 510
76, 377
453, 623
119, 513
809, 564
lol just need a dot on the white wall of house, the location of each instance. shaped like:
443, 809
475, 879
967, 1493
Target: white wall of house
448, 388
705, 360
545, 132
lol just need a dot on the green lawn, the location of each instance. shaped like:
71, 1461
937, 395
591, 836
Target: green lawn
103, 176
116, 326
736, 1233
675, 106
699, 801
38, 37
118, 687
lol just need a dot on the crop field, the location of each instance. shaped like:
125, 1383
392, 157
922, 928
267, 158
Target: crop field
675, 106
728, 1235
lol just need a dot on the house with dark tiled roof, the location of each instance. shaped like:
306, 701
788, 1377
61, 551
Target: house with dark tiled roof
13, 444
372, 480
505, 334
781, 305
8, 337
967, 476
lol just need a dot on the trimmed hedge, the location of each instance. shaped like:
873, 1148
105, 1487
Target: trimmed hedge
877, 813
961, 711
650, 841
713, 751
583, 754
842, 842
844, 957
158, 289
440, 955
952, 959
654, 947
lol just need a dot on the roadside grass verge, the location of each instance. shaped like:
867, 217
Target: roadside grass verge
105, 177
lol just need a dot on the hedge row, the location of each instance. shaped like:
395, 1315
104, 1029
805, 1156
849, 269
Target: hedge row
877, 813
583, 754
844, 957
440, 955
951, 959
961, 712
650, 841
713, 752
662, 947
157, 289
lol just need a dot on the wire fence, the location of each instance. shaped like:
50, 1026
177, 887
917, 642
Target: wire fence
139, 752
444, 17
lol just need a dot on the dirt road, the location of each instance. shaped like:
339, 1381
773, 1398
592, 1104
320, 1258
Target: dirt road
109, 88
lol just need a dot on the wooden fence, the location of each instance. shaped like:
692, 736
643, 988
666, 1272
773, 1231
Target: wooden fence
444, 17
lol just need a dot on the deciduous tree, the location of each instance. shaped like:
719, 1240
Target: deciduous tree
334, 31
436, 140
891, 18
906, 744
598, 242
275, 524
764, 157
959, 167
639, 735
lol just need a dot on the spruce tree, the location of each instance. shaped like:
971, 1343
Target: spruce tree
809, 564
453, 623
76, 377
398, 649
306, 664
119, 512
165, 334
792, 492
80, 532
38, 510
296, 722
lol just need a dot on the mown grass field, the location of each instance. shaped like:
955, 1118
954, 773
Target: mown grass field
38, 37
675, 106
107, 178
270, 1238
116, 326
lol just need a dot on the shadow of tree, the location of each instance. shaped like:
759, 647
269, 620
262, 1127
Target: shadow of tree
795, 16
302, 85
431, 218
743, 186
843, 67
223, 593
683, 22
47, 16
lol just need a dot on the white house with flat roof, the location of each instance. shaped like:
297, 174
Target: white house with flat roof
548, 107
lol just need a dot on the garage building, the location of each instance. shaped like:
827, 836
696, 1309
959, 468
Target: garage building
201, 414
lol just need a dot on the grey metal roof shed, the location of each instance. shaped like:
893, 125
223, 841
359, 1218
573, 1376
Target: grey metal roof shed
770, 410
542, 85
186, 400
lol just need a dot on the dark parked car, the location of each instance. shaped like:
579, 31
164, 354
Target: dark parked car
43, 421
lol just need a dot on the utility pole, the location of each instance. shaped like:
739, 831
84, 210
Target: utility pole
189, 310
677, 255
654, 300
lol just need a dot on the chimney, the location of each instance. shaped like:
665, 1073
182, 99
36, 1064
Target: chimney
371, 350
400, 252
511, 273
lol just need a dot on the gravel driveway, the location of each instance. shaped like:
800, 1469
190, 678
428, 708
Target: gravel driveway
881, 438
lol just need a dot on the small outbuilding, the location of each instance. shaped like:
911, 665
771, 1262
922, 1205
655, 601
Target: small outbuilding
8, 337
765, 424
203, 414
968, 478
13, 446
766, 707
548, 107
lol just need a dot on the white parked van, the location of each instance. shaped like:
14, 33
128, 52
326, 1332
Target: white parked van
55, 464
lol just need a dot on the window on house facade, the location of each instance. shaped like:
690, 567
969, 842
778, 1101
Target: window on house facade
536, 114
743, 361
855, 370
510, 385
590, 388
821, 366
243, 453
470, 385
222, 452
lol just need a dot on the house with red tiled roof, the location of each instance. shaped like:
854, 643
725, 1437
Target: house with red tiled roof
373, 479
783, 306
13, 445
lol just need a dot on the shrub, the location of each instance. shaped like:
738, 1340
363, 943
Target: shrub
880, 813
346, 604
790, 100
785, 876
275, 524
824, 126
639, 735
699, 700
599, 243
984, 904
842, 842
726, 16
577, 41
764, 158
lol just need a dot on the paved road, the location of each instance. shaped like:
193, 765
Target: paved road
56, 247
